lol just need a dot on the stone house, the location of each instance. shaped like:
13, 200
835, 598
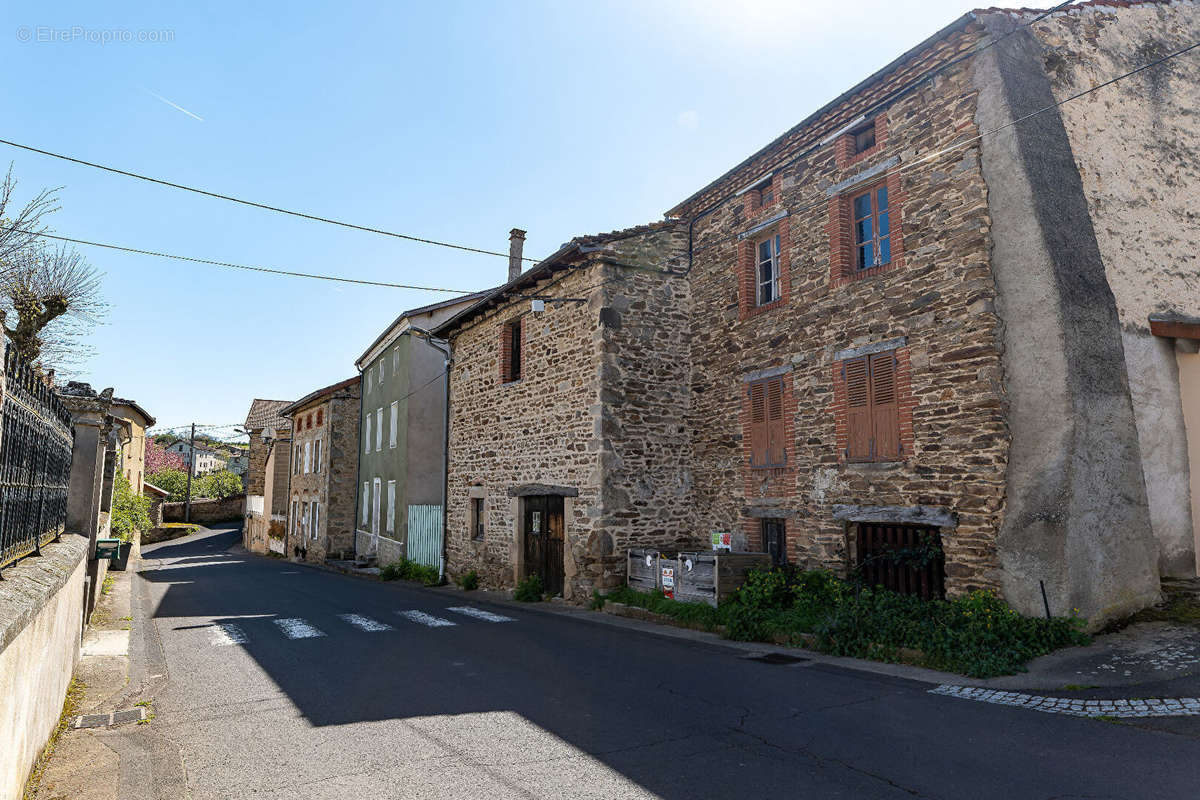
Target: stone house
402, 427
323, 472
265, 528
207, 459
133, 449
937, 314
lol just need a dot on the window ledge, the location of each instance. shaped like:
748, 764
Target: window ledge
874, 466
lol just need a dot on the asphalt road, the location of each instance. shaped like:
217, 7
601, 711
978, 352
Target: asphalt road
273, 680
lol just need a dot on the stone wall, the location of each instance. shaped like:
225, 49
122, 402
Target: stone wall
207, 510
933, 304
343, 474
42, 610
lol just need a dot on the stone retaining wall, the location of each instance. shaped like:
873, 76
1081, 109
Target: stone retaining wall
228, 510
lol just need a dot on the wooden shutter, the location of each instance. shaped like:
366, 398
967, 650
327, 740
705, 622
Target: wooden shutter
776, 440
858, 409
758, 425
884, 408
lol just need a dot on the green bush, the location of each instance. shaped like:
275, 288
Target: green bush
410, 571
529, 590
219, 484
172, 481
977, 634
130, 512
470, 581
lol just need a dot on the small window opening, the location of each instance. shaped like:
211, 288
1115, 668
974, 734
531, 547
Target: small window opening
864, 138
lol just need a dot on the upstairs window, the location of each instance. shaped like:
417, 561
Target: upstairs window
477, 518
510, 351
768, 440
873, 410
767, 274
320, 416
872, 240
864, 138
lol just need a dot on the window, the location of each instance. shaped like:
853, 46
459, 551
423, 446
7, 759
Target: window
367, 434
391, 507
477, 519
304, 520
296, 462
378, 429
307, 457
768, 446
510, 352
873, 418
774, 540
366, 498
395, 360
903, 558
295, 519
767, 275
872, 242
864, 138
395, 423
320, 416
317, 456
316, 518
369, 378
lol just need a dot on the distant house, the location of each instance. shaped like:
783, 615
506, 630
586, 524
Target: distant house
238, 464
133, 450
402, 437
267, 476
207, 459
324, 468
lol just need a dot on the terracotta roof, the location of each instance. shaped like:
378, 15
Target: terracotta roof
265, 413
549, 265
120, 401
308, 399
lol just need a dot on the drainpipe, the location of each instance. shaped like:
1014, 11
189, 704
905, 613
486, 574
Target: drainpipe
433, 341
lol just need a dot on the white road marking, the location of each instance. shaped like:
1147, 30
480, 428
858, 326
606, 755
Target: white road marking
226, 633
365, 623
296, 628
422, 618
479, 613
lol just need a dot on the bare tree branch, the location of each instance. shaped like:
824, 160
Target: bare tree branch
20, 228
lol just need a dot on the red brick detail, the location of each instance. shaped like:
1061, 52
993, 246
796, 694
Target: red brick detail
747, 270
780, 481
840, 229
905, 402
843, 146
771, 188
506, 349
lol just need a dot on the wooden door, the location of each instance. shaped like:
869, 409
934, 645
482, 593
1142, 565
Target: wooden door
545, 537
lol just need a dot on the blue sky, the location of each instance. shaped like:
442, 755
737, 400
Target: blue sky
449, 120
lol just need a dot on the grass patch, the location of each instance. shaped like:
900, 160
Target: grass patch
529, 590
75, 693
1180, 609
406, 570
107, 586
977, 634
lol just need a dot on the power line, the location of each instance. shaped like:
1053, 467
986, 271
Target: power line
252, 204
971, 140
209, 262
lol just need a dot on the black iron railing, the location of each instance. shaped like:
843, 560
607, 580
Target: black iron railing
35, 461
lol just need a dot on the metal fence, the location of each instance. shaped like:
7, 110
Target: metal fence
425, 534
35, 462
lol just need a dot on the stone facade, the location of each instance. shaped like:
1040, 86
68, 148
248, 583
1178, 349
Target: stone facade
597, 415
324, 463
266, 480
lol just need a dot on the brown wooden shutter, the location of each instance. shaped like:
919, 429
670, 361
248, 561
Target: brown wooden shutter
858, 408
884, 408
758, 425
776, 440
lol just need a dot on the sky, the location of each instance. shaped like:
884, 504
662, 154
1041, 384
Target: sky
451, 120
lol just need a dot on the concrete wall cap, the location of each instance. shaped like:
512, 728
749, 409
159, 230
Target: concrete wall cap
30, 583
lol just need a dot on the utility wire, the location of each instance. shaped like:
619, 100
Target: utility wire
252, 204
209, 262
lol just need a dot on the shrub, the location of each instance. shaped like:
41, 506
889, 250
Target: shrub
219, 484
172, 481
410, 571
130, 512
696, 614
470, 581
529, 590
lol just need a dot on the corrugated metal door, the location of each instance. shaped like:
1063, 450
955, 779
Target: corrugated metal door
425, 535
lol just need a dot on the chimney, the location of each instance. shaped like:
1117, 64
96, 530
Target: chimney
516, 247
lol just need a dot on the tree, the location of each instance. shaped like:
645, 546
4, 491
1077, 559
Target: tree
172, 481
49, 299
158, 458
130, 512
20, 229
220, 484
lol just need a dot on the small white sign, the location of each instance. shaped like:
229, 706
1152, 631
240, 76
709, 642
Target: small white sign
668, 577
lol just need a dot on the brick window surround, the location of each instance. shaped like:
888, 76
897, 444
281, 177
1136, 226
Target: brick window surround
511, 369
843, 146
843, 266
747, 270
854, 426
768, 425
